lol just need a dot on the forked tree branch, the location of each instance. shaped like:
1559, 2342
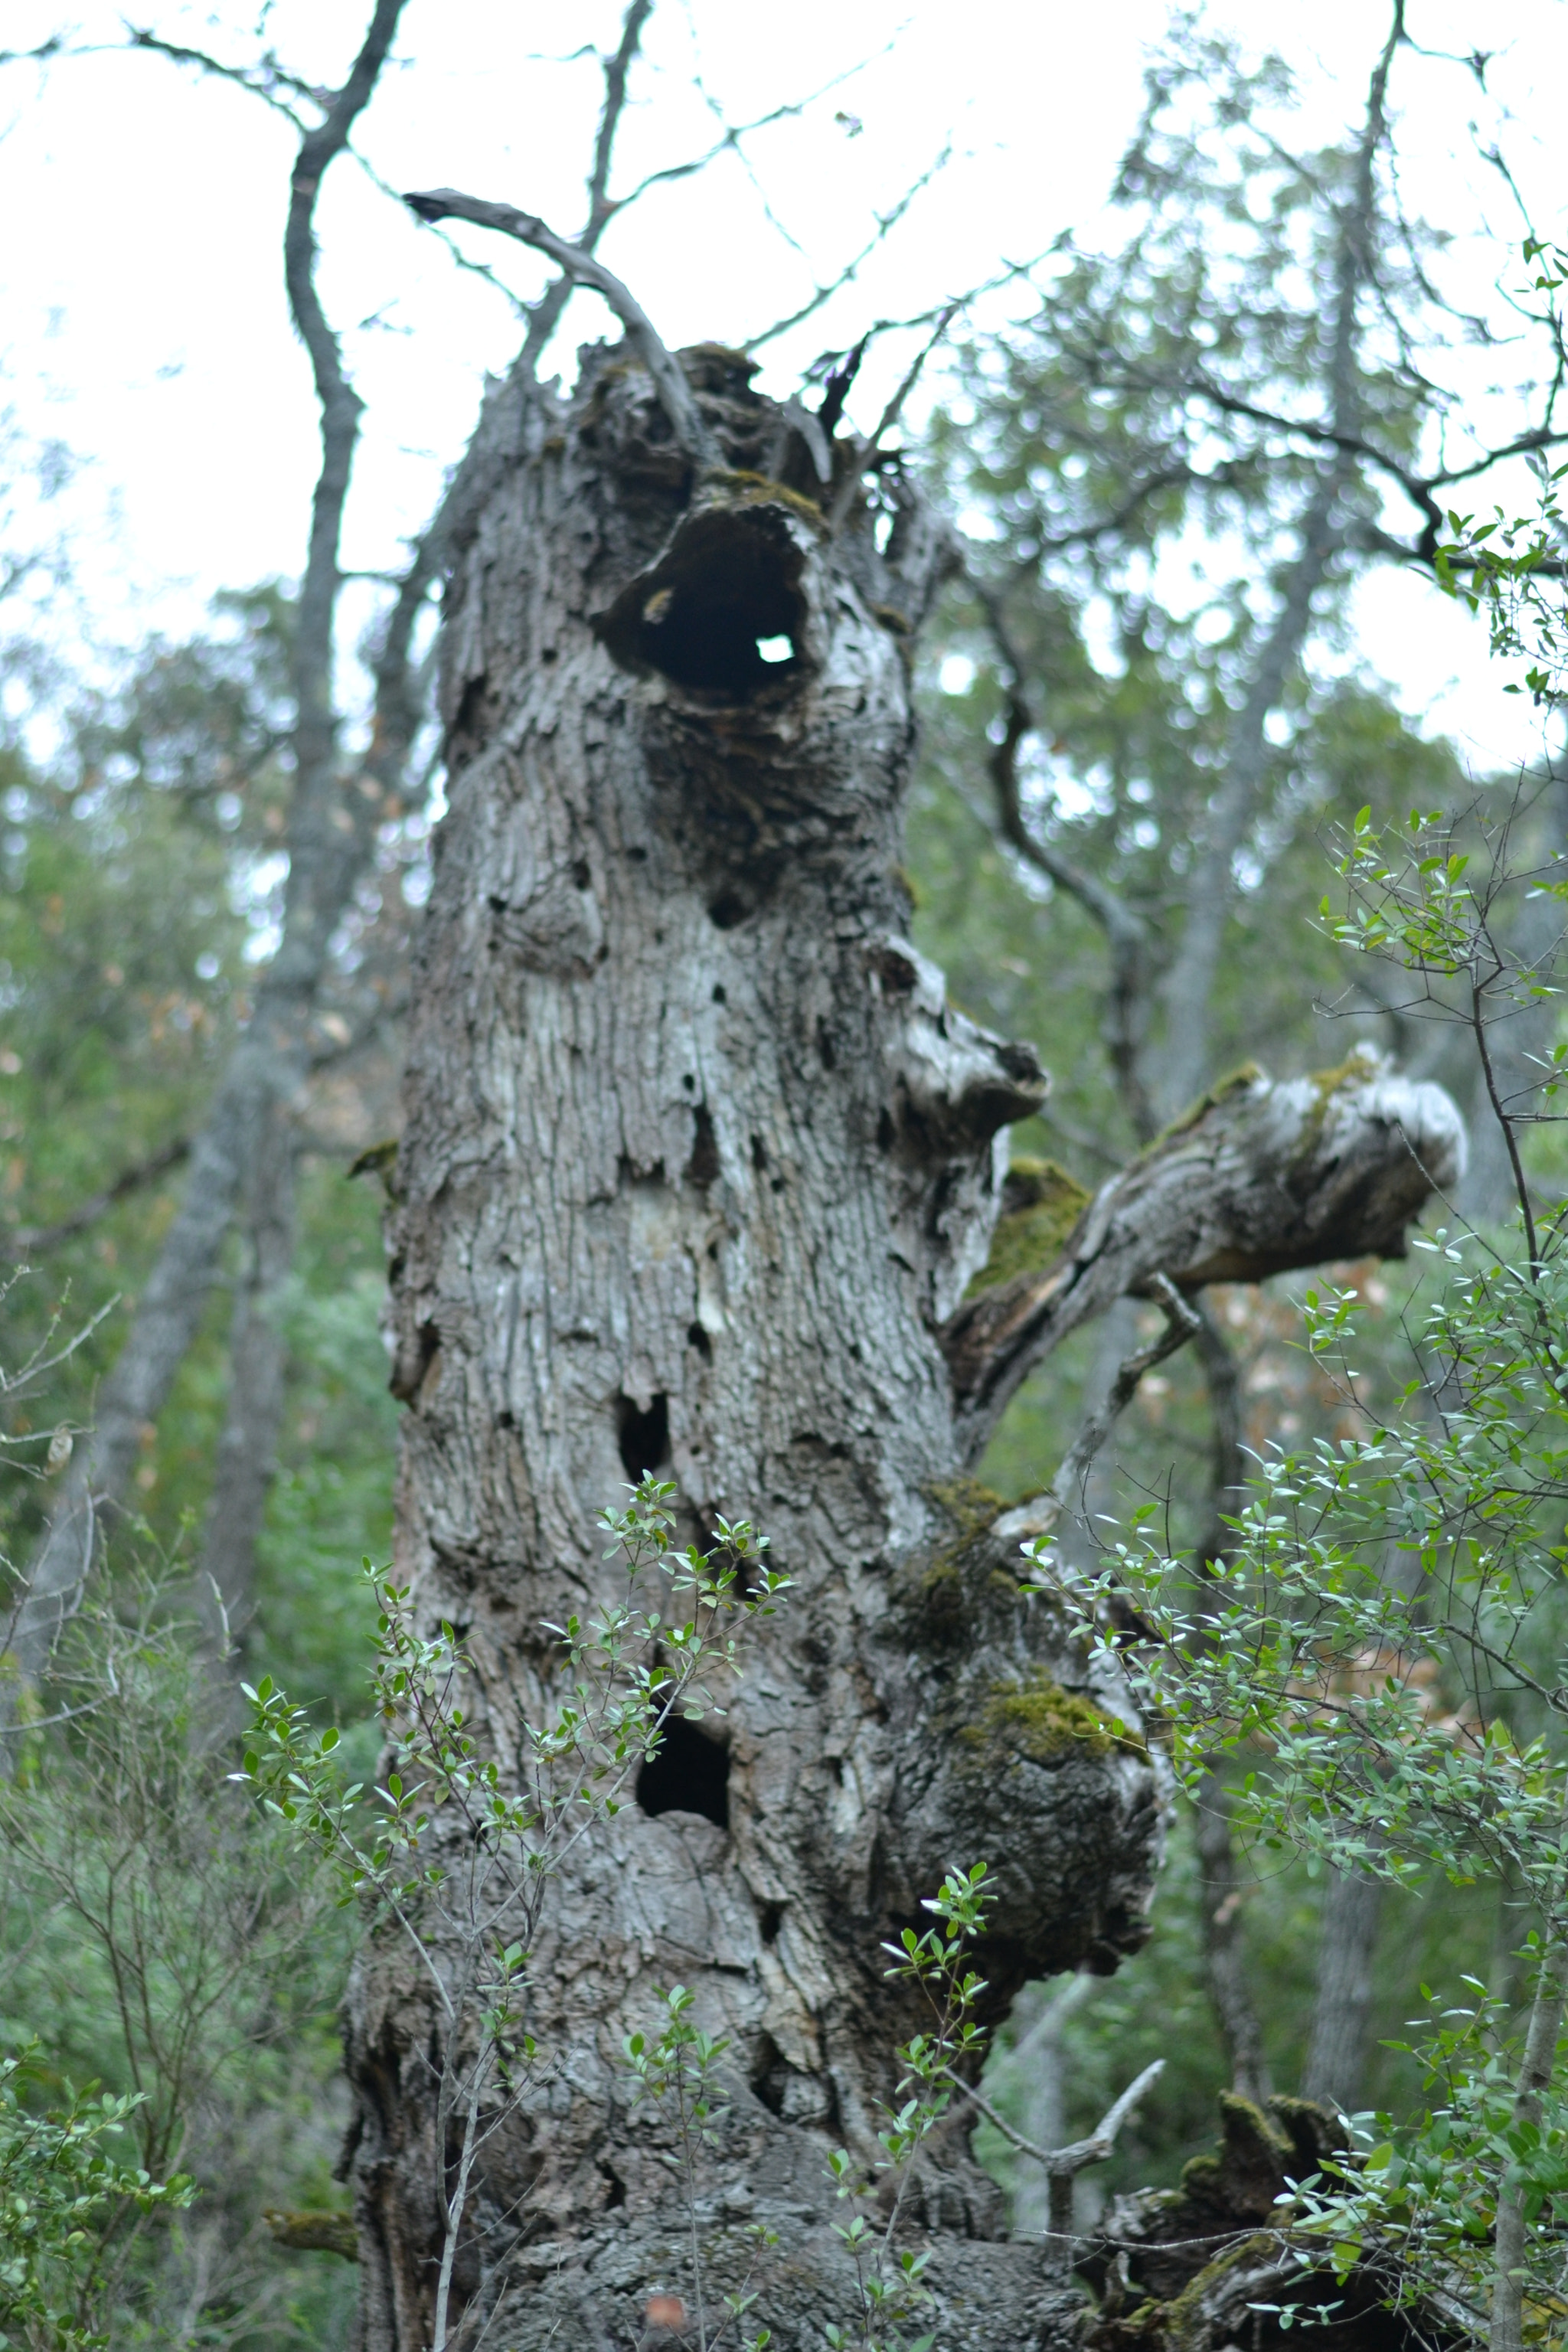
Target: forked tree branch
676, 397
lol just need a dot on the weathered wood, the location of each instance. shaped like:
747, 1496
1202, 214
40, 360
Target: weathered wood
1257, 1178
698, 1164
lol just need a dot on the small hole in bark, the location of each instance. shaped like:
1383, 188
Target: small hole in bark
703, 1165
644, 1436
771, 1920
506, 1418
698, 1338
824, 1047
885, 1131
689, 1081
759, 1154
727, 910
639, 856
581, 874
689, 1774
719, 995
618, 2195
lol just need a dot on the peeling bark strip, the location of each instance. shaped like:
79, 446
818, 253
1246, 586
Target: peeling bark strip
1256, 1179
698, 1164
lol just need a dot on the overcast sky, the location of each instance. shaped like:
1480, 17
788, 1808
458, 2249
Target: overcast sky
140, 280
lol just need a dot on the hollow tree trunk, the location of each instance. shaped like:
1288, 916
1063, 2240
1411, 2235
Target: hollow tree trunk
698, 1165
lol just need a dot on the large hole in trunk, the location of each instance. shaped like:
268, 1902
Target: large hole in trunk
721, 612
690, 1774
644, 1436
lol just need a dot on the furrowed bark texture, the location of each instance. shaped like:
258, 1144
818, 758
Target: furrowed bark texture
697, 1166
698, 1162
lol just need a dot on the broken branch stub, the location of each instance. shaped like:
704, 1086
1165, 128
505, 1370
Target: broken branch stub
1260, 1177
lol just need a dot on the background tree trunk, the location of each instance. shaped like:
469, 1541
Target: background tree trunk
258, 1364
1352, 1901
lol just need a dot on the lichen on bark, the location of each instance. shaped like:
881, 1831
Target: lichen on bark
699, 1165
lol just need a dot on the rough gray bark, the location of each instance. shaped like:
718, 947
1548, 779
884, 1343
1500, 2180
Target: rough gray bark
253, 1419
698, 1164
1336, 2055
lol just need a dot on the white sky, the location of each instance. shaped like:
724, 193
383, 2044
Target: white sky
141, 285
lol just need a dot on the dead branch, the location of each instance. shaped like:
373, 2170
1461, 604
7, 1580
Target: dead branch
1126, 934
1257, 1178
676, 397
1182, 1322
36, 1241
1063, 2165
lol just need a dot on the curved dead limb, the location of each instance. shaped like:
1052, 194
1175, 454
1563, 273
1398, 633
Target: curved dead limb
1126, 934
675, 394
1063, 2165
1257, 1178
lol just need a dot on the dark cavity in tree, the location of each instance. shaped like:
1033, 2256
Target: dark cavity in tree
689, 1774
644, 1436
703, 1165
727, 587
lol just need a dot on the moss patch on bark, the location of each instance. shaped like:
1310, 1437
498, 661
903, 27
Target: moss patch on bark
1036, 1718
1041, 1203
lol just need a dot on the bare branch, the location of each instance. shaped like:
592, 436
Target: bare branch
544, 315
1181, 1323
675, 394
37, 1240
867, 449
1062, 2165
886, 224
263, 81
1125, 933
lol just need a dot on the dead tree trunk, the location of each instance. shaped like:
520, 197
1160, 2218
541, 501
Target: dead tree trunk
698, 1167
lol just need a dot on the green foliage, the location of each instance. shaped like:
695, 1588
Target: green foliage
155, 1933
1510, 567
67, 2205
1418, 2200
458, 1857
889, 2278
